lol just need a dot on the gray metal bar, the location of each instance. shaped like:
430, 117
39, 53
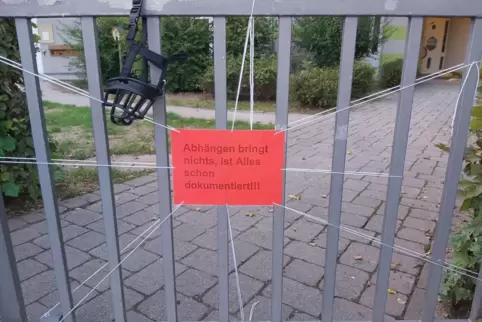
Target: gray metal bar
101, 140
221, 113
73, 8
163, 178
457, 148
282, 107
397, 164
42, 153
476, 310
338, 163
12, 307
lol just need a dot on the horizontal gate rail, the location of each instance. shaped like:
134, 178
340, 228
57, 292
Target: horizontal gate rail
74, 8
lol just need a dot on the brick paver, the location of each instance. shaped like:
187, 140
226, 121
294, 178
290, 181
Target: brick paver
369, 150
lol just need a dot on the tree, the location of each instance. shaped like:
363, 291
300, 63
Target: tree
265, 33
321, 38
15, 131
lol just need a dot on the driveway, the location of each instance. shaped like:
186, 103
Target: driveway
369, 148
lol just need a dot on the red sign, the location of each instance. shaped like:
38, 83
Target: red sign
218, 167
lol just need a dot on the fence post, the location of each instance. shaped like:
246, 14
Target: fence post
42, 153
338, 164
220, 96
282, 102
101, 140
163, 178
457, 148
476, 310
397, 165
12, 307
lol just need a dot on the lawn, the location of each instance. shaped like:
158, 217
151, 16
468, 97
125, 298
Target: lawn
71, 129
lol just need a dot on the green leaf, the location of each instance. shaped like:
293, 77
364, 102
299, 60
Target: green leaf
477, 111
10, 189
7, 144
466, 205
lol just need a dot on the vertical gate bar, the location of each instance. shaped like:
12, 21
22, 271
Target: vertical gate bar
221, 115
101, 140
338, 163
476, 310
163, 176
457, 148
42, 154
12, 307
397, 163
282, 107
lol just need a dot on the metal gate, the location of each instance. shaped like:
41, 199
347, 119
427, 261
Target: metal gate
11, 302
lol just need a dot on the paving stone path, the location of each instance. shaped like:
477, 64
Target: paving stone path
369, 147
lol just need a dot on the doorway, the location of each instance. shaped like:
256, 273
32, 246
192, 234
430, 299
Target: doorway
434, 44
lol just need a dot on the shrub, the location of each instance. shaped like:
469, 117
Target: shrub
318, 87
15, 130
265, 70
391, 73
466, 242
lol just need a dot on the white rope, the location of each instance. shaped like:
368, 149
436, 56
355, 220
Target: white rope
310, 119
120, 263
235, 263
248, 34
72, 88
251, 74
400, 249
356, 173
460, 93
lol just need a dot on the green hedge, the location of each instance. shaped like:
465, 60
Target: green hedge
318, 87
391, 73
264, 78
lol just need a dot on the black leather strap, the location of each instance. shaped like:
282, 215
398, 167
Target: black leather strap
133, 19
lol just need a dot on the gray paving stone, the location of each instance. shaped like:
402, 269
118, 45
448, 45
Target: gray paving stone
410, 192
350, 282
187, 232
38, 286
29, 268
423, 278
299, 296
137, 317
16, 223
124, 240
142, 190
23, 235
402, 211
410, 246
306, 252
82, 217
413, 235
140, 181
348, 311
262, 310
149, 199
321, 242
419, 224
80, 201
74, 256
398, 281
259, 237
357, 234
202, 259
188, 309
301, 317
193, 282
35, 311
204, 220
376, 224
413, 182
395, 306
147, 231
304, 272
419, 204
209, 239
125, 197
354, 184
140, 218
181, 248
51, 299
148, 280
244, 251
241, 222
122, 226
26, 250
357, 209
424, 214
87, 241
416, 305
260, 265
249, 287
369, 260
408, 264
33, 217
81, 273
138, 260
367, 201
303, 230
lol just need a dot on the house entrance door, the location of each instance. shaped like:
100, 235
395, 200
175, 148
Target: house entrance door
434, 43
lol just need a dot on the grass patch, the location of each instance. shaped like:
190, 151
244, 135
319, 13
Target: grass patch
396, 32
71, 127
387, 57
200, 101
